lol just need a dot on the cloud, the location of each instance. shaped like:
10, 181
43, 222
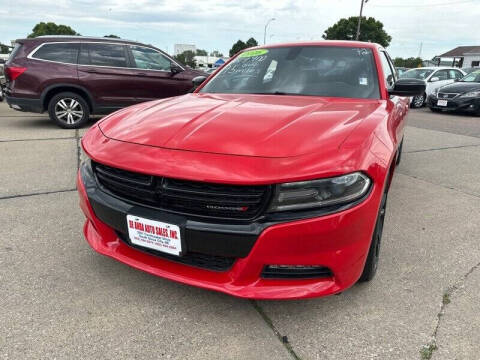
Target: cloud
215, 24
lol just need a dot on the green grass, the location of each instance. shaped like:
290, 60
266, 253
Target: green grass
427, 351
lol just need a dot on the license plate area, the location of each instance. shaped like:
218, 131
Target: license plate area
442, 102
156, 235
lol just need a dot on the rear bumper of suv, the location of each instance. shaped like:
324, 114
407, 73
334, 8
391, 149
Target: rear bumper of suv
24, 104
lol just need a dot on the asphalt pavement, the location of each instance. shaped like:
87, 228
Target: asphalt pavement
59, 299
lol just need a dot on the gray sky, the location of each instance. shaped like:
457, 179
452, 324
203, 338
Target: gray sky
216, 24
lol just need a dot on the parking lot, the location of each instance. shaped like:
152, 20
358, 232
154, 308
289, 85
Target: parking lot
59, 299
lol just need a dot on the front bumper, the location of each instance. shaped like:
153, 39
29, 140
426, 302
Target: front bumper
337, 241
455, 104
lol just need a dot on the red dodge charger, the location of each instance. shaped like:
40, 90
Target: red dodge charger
269, 181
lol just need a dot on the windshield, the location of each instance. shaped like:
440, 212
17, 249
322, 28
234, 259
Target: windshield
420, 74
300, 70
472, 77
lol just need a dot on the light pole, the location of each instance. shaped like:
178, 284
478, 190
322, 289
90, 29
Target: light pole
360, 19
265, 31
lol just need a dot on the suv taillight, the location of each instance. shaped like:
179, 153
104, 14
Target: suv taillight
13, 72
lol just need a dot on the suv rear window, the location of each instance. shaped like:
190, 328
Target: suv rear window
15, 51
103, 55
60, 52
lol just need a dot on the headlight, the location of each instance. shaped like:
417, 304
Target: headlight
471, 94
435, 92
319, 193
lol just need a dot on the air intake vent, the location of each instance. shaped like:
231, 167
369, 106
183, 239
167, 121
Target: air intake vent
295, 272
203, 261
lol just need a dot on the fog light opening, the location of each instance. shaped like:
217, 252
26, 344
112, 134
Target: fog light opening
277, 271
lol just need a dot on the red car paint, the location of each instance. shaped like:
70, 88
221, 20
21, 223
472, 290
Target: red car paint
258, 139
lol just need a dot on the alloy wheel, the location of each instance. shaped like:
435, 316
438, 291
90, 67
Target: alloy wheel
69, 111
418, 100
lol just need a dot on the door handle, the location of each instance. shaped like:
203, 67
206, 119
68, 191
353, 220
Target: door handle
91, 71
141, 74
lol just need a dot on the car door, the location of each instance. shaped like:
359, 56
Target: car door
438, 79
157, 76
104, 69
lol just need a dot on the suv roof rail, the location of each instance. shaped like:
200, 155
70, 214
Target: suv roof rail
82, 37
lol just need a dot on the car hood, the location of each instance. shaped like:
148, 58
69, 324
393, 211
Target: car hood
247, 125
460, 87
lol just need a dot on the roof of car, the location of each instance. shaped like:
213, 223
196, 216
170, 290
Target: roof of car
346, 43
435, 68
48, 38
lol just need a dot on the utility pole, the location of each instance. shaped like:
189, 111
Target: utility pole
360, 19
420, 51
265, 31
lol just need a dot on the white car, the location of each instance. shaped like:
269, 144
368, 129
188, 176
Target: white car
435, 77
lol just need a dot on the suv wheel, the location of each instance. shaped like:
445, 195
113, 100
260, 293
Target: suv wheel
418, 101
68, 110
371, 264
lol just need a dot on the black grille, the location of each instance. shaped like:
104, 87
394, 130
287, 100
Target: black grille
203, 261
185, 197
290, 272
446, 95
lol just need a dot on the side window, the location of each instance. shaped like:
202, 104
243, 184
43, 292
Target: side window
104, 55
458, 74
441, 74
60, 52
387, 70
453, 74
146, 58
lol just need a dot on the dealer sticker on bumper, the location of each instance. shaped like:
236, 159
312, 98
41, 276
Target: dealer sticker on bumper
154, 235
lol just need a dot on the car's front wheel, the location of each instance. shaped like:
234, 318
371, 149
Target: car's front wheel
373, 256
418, 101
68, 110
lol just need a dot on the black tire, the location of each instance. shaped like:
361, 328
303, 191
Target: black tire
1, 92
399, 154
371, 264
418, 101
68, 110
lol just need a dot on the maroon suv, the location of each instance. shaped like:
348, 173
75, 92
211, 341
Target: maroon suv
73, 77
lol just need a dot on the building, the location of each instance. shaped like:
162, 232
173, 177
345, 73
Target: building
210, 61
180, 48
461, 56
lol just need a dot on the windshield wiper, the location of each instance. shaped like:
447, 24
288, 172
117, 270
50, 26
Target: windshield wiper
275, 93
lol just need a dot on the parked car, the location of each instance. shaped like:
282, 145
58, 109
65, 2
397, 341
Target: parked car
463, 95
74, 77
470, 69
434, 78
401, 70
257, 187
2, 78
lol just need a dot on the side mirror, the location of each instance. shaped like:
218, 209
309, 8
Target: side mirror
408, 87
198, 80
434, 79
175, 69
456, 80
